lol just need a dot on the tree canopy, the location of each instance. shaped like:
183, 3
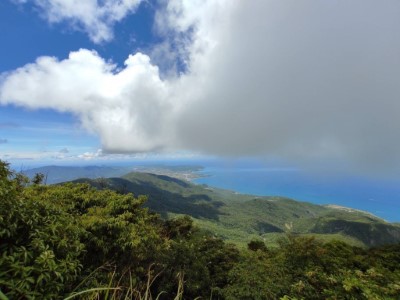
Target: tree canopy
63, 240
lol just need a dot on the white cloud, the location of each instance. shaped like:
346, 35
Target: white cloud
91, 155
302, 80
94, 155
128, 108
94, 17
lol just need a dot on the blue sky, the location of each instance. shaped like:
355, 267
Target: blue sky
312, 83
23, 28
45, 134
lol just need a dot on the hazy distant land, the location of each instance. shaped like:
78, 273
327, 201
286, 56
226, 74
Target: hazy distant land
57, 174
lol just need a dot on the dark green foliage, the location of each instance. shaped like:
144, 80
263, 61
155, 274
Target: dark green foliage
53, 237
255, 245
253, 278
201, 259
304, 268
38, 178
179, 227
40, 245
204, 260
371, 233
59, 240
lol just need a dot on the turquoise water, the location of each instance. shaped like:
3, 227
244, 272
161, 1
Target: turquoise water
380, 197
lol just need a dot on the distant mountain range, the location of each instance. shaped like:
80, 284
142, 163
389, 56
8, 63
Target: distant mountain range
57, 174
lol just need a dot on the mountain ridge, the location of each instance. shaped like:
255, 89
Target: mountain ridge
241, 217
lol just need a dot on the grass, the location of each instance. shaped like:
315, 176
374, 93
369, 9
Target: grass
115, 291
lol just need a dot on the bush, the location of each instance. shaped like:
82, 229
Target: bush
40, 243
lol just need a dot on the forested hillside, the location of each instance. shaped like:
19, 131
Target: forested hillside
74, 241
239, 218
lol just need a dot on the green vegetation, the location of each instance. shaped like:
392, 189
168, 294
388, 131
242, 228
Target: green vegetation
238, 218
73, 241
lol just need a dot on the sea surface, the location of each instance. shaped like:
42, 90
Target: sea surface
377, 196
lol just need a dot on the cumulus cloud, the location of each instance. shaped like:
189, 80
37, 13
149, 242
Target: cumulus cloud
128, 108
301, 80
94, 17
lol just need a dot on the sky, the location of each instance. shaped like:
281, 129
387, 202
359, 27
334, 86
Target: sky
313, 83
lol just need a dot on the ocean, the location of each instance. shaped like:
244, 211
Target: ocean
377, 196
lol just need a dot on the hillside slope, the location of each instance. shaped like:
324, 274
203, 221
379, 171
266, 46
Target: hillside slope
240, 218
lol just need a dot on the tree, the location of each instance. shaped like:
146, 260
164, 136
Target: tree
255, 245
38, 178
